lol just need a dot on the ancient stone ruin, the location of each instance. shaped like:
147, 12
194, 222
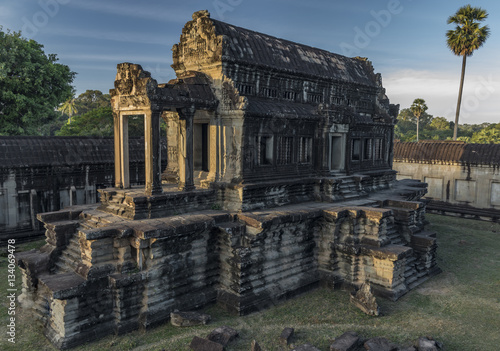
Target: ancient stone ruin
278, 180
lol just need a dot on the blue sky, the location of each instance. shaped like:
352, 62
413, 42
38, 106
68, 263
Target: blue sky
405, 40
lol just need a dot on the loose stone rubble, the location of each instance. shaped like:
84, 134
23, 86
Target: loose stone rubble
278, 180
188, 319
223, 335
364, 299
286, 336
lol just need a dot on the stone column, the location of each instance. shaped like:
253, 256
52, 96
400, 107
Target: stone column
117, 138
152, 150
122, 179
186, 117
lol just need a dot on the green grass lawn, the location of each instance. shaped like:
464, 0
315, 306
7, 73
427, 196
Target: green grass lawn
459, 307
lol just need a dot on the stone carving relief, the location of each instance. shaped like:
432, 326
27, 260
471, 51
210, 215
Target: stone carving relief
134, 86
198, 44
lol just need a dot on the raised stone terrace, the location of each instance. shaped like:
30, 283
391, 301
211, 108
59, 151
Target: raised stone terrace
102, 273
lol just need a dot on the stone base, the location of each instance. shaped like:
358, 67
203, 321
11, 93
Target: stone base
101, 273
133, 204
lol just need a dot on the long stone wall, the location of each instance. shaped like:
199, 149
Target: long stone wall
41, 174
466, 175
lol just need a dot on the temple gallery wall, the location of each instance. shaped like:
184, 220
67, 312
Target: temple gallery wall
278, 179
465, 176
42, 174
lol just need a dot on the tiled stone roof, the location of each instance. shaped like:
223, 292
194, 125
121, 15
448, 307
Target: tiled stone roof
447, 152
249, 47
34, 151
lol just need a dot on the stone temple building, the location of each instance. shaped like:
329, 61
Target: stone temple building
278, 180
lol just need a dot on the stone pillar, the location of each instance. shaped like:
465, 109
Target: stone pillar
122, 179
117, 138
186, 117
152, 150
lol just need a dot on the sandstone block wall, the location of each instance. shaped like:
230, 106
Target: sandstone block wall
101, 274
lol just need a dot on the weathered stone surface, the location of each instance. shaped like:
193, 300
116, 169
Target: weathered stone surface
365, 300
346, 342
223, 335
199, 344
472, 168
306, 347
426, 344
188, 319
286, 336
380, 344
255, 346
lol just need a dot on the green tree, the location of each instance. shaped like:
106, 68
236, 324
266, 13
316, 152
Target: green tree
32, 85
69, 107
91, 100
418, 108
97, 123
440, 123
467, 37
488, 135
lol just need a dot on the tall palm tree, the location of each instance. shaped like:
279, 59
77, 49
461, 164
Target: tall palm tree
467, 37
417, 108
69, 107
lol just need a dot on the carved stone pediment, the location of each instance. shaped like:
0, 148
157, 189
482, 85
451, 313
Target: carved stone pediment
134, 86
199, 44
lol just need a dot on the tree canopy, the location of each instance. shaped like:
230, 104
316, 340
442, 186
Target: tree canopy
32, 85
467, 37
97, 123
439, 128
418, 108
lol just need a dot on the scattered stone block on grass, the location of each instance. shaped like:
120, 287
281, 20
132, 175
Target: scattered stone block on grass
380, 344
346, 342
427, 344
223, 335
188, 319
286, 336
255, 346
199, 344
365, 300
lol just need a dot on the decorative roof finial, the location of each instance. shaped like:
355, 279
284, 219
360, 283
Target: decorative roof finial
202, 13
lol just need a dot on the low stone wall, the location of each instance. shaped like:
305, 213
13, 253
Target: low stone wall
466, 176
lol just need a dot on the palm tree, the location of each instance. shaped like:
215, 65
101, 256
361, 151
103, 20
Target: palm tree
467, 37
417, 108
69, 107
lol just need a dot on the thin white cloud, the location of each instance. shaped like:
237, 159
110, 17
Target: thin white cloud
140, 10
481, 94
117, 58
126, 37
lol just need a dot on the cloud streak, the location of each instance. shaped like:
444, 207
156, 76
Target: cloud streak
149, 11
125, 37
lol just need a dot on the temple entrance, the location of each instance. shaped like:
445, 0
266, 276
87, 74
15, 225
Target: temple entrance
337, 152
201, 147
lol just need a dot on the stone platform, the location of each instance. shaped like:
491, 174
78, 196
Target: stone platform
101, 273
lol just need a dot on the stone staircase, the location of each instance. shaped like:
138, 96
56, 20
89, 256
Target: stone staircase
394, 236
70, 257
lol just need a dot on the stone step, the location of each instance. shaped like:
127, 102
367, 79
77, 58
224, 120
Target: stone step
70, 257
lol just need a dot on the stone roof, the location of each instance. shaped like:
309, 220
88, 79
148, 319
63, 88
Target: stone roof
34, 151
447, 152
249, 47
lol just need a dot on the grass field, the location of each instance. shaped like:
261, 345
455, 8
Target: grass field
459, 307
